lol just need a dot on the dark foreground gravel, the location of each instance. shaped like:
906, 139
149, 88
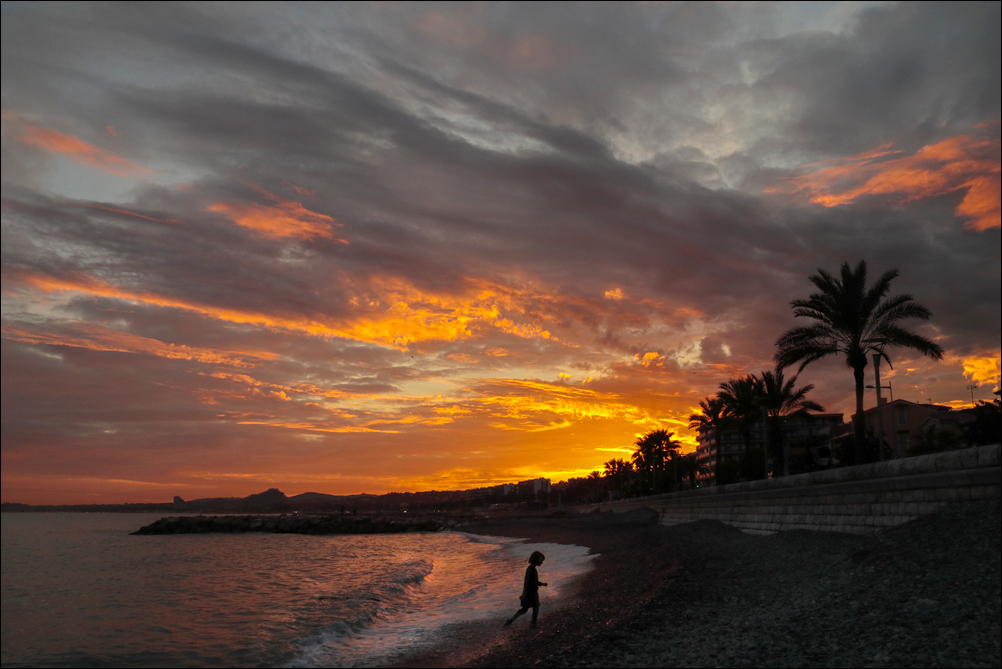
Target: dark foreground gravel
924, 594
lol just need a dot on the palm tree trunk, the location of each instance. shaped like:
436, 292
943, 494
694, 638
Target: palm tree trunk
778, 447
746, 433
859, 428
716, 461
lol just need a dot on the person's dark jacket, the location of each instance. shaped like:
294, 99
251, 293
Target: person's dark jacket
530, 588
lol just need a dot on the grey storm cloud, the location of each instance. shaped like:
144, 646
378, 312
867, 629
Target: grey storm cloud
418, 200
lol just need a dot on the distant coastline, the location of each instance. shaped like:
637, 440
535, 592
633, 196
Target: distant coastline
152, 507
269, 501
275, 501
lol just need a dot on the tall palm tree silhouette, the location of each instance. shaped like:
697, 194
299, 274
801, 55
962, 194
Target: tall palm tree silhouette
852, 320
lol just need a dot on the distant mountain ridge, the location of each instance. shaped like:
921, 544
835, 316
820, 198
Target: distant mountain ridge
272, 500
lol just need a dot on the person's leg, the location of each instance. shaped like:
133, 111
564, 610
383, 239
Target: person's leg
535, 614
518, 613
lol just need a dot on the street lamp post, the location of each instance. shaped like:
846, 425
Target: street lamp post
876, 377
764, 399
880, 410
880, 406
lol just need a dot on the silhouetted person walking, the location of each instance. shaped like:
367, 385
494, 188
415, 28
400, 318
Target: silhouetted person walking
530, 589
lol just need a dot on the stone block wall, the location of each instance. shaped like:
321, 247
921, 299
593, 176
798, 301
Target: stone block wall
862, 500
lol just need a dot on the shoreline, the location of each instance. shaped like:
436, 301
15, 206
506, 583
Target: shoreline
924, 594
606, 587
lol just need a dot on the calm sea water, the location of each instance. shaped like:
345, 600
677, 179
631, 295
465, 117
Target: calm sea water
78, 590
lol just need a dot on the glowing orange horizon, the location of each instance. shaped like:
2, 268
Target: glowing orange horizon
566, 429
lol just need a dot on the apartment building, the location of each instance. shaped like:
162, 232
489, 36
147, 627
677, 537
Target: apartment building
903, 421
800, 433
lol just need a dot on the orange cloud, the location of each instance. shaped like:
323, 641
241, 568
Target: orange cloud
96, 338
286, 218
314, 427
73, 148
126, 212
389, 312
454, 30
535, 52
650, 358
948, 166
312, 391
984, 369
529, 401
457, 30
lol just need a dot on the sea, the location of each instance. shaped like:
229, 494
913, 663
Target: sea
79, 591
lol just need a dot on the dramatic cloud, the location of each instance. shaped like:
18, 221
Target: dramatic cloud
955, 164
284, 218
71, 147
357, 247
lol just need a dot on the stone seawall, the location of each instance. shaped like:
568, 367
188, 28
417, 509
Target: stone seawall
861, 500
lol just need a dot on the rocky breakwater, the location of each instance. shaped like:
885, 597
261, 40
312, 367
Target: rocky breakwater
317, 524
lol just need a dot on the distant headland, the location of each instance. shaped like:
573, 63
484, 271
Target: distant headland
274, 500
530, 494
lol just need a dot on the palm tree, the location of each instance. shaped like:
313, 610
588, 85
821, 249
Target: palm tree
652, 450
782, 398
619, 470
690, 468
709, 418
643, 459
853, 320
595, 479
740, 398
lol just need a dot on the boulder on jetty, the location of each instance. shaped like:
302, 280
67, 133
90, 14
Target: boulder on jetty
318, 524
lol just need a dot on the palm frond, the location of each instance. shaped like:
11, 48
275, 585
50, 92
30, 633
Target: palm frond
905, 310
806, 344
899, 337
877, 291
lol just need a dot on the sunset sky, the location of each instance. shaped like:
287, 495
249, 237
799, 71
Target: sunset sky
380, 247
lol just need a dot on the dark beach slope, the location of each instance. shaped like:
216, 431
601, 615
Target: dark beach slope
634, 564
928, 593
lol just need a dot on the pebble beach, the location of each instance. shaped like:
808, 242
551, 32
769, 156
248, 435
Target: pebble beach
702, 594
